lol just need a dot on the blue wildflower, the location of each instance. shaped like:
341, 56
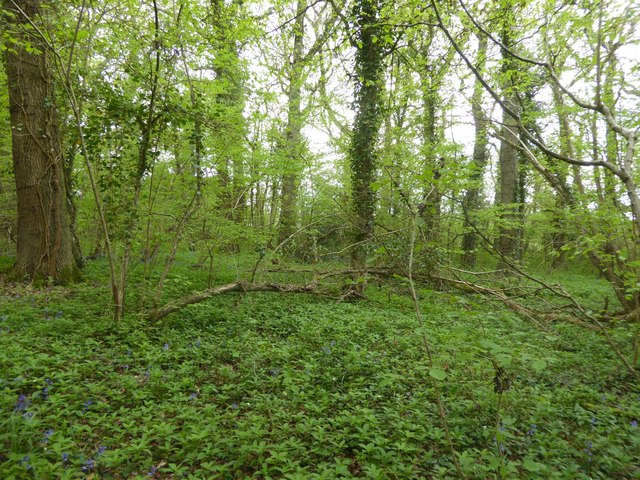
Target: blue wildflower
532, 430
86, 405
193, 396
48, 381
90, 465
153, 471
22, 404
65, 458
198, 343
101, 449
47, 435
634, 423
25, 462
234, 406
166, 346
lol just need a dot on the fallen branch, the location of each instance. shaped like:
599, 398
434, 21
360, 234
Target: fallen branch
240, 286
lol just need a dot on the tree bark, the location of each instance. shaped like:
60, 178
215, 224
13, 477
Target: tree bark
289, 195
45, 243
471, 201
362, 151
507, 243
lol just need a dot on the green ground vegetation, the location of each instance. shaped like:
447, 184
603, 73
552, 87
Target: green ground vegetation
277, 385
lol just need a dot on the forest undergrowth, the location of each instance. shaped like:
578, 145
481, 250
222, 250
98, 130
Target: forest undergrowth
284, 385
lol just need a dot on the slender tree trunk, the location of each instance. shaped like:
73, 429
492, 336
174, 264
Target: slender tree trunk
229, 121
289, 194
45, 242
507, 243
362, 151
471, 201
432, 197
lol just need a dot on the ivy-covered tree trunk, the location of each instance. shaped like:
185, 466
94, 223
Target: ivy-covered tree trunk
367, 122
471, 201
45, 244
289, 195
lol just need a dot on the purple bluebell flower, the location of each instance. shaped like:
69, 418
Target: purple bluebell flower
153, 471
22, 404
198, 343
86, 405
193, 396
166, 346
89, 465
532, 429
634, 423
48, 381
25, 462
47, 435
234, 406
65, 458
101, 449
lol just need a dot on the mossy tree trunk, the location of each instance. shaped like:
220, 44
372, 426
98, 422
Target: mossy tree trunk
45, 242
363, 155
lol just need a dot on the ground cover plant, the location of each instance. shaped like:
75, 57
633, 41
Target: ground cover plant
271, 385
319, 239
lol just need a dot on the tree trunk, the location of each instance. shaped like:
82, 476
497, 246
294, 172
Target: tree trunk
471, 201
362, 151
289, 195
45, 244
507, 243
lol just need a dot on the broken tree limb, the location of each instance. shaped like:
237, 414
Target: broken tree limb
239, 286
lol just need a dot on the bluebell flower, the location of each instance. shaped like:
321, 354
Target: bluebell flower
25, 462
65, 458
44, 394
193, 396
101, 449
198, 343
589, 448
166, 346
532, 430
86, 405
234, 406
48, 381
634, 423
22, 404
90, 465
47, 435
153, 471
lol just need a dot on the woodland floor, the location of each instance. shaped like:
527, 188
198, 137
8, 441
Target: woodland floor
281, 385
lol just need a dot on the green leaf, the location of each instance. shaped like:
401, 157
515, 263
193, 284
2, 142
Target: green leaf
438, 374
532, 465
539, 365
